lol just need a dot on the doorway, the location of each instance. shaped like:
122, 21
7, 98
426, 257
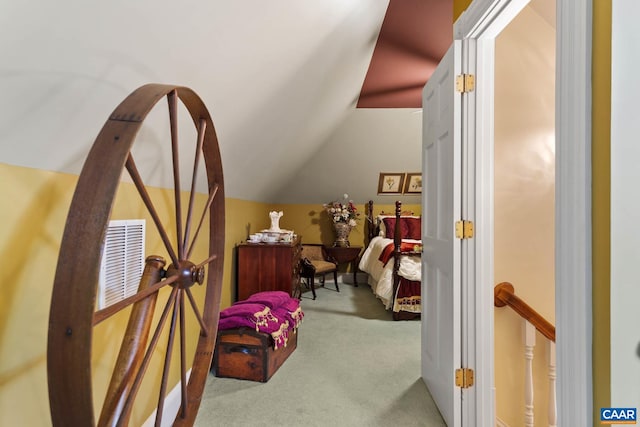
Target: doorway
477, 27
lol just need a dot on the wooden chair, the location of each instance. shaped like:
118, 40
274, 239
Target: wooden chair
316, 262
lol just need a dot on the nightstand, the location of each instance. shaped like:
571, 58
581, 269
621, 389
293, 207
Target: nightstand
344, 255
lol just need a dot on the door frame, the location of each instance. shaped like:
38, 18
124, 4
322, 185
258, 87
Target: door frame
480, 24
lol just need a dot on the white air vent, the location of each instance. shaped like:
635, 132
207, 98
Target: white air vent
122, 261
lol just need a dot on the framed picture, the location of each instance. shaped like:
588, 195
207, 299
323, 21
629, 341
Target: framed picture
413, 183
390, 183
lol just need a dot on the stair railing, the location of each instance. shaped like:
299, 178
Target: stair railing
503, 294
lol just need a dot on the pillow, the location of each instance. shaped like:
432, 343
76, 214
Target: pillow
410, 227
414, 226
390, 227
382, 232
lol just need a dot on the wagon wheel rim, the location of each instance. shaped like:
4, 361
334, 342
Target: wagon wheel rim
73, 319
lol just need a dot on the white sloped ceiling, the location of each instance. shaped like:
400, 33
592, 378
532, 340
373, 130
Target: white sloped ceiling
281, 80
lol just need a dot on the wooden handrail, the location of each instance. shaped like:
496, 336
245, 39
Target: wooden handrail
503, 294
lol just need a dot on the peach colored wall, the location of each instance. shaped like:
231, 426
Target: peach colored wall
524, 202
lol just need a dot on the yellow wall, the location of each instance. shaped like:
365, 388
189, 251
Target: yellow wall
460, 6
313, 224
601, 206
33, 218
32, 225
32, 222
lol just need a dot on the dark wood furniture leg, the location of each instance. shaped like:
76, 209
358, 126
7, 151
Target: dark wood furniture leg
344, 255
311, 283
354, 267
335, 280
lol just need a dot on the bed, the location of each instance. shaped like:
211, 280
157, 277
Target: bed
392, 260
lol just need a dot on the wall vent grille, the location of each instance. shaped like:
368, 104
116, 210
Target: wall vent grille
122, 261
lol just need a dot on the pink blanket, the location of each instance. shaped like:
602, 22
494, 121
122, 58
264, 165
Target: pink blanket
273, 312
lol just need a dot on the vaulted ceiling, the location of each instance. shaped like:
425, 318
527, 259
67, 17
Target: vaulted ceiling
282, 81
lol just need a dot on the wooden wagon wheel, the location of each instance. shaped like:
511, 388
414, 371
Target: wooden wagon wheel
73, 317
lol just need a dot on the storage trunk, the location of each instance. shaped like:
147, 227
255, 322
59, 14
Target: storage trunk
246, 354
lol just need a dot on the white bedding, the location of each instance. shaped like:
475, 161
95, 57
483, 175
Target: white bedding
381, 277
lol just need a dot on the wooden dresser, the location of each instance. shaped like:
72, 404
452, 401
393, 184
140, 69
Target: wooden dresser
268, 267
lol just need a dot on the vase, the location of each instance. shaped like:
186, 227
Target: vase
342, 234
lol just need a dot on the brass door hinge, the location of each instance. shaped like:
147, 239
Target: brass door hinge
465, 83
464, 377
464, 229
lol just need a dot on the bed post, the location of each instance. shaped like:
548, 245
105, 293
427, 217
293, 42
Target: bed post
397, 242
410, 294
371, 224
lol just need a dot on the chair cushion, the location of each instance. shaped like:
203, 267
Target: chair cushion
312, 252
323, 266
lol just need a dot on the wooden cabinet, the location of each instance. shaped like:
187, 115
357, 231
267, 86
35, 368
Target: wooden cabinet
268, 267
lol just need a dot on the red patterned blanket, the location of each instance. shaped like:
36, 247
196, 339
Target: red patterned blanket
387, 252
407, 296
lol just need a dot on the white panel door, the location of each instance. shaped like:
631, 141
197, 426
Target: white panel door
441, 273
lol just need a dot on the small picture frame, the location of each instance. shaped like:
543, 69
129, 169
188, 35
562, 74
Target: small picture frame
413, 183
391, 183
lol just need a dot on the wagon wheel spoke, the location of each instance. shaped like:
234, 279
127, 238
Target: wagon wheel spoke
212, 195
147, 357
105, 313
172, 99
179, 310
196, 312
167, 357
142, 190
133, 344
202, 126
207, 261
183, 358
119, 401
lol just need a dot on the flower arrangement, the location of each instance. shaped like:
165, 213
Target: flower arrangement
342, 212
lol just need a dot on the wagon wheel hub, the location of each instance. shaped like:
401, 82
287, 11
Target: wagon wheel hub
188, 274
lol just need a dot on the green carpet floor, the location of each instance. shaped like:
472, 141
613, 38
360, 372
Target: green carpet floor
353, 366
